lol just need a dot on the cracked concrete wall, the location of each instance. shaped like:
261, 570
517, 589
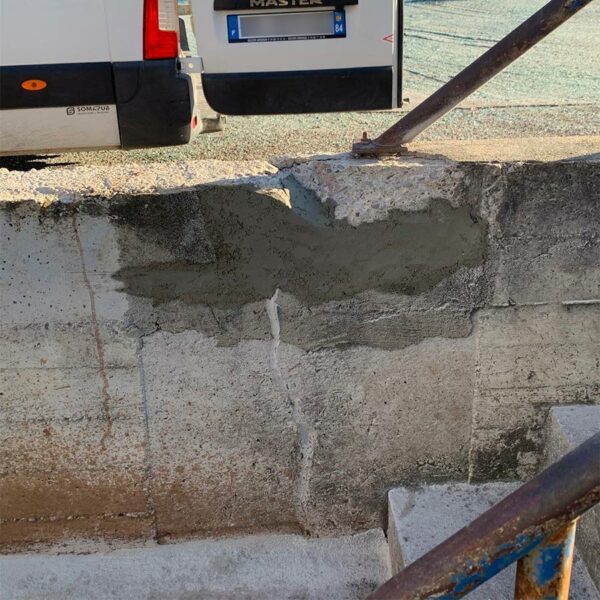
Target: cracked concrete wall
274, 350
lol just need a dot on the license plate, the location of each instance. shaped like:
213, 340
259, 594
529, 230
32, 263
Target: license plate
281, 27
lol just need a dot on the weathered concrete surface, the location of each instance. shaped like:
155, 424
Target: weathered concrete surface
535, 244
567, 428
73, 184
403, 419
515, 149
223, 443
420, 519
273, 349
530, 358
252, 568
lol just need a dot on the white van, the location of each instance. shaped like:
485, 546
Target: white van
91, 74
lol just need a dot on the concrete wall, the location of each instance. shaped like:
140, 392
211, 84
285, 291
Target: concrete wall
255, 348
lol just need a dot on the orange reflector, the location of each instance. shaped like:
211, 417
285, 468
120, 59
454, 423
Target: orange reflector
34, 85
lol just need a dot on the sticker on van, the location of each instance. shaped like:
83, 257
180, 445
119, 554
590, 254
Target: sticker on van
88, 110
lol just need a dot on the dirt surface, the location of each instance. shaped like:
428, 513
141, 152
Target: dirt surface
552, 92
549, 148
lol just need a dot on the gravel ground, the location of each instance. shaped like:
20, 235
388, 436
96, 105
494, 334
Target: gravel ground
264, 138
443, 36
552, 91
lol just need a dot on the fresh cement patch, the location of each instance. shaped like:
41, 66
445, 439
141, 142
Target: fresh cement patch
227, 247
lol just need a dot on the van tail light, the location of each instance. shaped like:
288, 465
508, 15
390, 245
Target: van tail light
161, 29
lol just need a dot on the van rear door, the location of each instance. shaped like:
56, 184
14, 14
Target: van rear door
299, 56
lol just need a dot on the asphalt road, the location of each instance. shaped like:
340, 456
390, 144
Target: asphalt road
553, 91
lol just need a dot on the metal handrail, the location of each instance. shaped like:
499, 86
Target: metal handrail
535, 525
487, 66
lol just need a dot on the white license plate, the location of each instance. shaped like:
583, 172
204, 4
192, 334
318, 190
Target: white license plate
274, 27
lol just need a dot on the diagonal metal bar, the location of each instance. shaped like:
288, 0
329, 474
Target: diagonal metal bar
495, 60
506, 533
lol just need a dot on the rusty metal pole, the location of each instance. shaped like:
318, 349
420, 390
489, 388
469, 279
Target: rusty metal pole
486, 67
546, 572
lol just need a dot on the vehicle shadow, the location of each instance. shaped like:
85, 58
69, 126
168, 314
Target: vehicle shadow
30, 162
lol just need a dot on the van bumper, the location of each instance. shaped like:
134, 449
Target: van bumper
155, 103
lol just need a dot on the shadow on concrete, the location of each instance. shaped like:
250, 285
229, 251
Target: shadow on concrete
594, 157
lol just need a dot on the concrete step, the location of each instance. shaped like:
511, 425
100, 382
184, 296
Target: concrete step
421, 519
252, 568
568, 427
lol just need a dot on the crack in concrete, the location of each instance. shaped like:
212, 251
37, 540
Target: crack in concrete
307, 437
591, 302
148, 479
217, 321
106, 397
471, 465
74, 517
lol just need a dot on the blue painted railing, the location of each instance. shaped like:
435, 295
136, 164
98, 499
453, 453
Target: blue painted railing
534, 526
